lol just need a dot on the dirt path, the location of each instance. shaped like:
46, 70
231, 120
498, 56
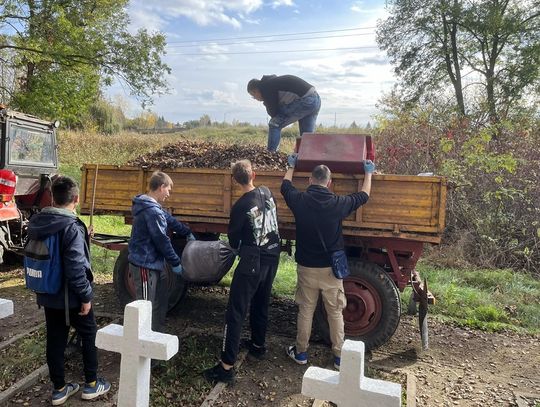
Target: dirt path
26, 314
466, 367
463, 367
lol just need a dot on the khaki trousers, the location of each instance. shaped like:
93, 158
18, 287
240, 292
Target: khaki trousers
312, 281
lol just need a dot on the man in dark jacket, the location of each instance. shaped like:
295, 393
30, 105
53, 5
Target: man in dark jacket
318, 214
76, 292
150, 246
253, 229
288, 99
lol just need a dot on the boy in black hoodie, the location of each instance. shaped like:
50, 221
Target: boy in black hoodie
253, 229
76, 293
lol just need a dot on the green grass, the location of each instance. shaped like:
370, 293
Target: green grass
102, 259
21, 358
197, 354
285, 281
491, 300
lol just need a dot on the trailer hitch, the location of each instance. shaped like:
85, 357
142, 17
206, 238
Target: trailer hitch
422, 295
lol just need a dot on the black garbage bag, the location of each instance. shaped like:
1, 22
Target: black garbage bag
206, 262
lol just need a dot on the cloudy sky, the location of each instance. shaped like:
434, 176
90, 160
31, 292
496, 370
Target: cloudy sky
216, 47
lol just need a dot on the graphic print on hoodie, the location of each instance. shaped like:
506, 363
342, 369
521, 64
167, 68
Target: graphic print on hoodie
246, 228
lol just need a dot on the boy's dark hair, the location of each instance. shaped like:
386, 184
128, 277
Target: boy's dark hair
253, 84
158, 179
242, 171
64, 190
321, 175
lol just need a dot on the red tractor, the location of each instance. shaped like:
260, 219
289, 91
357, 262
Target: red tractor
28, 160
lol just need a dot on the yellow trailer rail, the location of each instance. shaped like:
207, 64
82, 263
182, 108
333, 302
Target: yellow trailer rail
400, 206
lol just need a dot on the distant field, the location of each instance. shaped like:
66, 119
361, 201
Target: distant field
78, 148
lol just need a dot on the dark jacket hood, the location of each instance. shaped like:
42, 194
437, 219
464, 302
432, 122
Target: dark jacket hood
267, 77
318, 197
49, 221
143, 202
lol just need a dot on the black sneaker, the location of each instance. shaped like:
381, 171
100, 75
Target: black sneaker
258, 352
219, 374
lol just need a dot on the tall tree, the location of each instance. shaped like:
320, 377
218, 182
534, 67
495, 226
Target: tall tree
421, 39
67, 44
432, 42
504, 38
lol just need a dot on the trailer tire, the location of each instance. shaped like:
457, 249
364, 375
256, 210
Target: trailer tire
373, 306
125, 290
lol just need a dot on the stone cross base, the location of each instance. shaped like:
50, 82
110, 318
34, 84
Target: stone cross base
6, 308
349, 387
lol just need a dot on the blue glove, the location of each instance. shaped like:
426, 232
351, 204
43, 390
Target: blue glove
190, 237
291, 160
369, 167
178, 270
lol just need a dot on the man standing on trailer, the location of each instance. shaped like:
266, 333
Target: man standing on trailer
287, 99
318, 214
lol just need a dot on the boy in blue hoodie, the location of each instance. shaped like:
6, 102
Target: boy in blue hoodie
76, 292
150, 246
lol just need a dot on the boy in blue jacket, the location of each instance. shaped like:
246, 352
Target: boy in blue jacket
150, 246
76, 296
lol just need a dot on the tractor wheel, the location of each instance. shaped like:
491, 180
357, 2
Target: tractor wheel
373, 306
125, 288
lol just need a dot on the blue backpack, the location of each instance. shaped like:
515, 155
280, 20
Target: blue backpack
43, 265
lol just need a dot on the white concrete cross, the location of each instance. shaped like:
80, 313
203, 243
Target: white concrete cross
349, 387
138, 344
6, 308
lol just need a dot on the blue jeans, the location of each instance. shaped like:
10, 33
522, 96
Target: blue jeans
303, 110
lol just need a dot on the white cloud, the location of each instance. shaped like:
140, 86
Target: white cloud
280, 3
202, 12
349, 84
142, 18
214, 52
359, 7
207, 97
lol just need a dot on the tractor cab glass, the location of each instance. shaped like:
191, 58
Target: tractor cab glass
31, 147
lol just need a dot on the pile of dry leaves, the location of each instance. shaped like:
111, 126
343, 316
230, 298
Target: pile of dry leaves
190, 154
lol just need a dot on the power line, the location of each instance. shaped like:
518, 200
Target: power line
274, 52
278, 40
272, 35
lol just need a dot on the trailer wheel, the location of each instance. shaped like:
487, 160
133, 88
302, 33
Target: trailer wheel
373, 306
125, 288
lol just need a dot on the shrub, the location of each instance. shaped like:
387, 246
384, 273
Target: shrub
493, 201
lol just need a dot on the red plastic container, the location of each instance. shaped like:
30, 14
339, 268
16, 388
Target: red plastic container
8, 183
343, 153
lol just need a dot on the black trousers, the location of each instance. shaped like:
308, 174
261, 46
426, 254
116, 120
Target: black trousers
57, 337
247, 287
151, 285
